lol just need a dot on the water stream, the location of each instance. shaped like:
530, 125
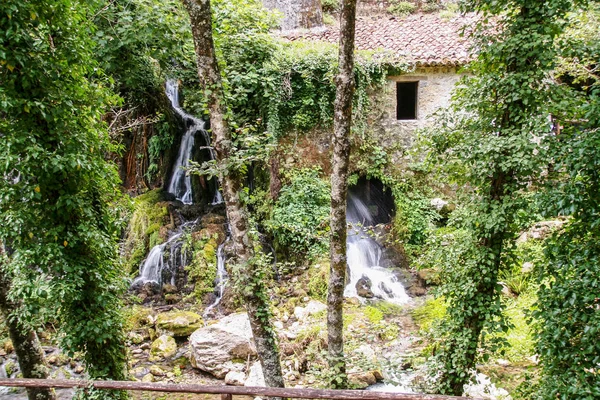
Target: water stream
365, 253
171, 254
222, 277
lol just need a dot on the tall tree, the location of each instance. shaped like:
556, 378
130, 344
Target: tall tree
339, 188
568, 310
249, 272
491, 142
57, 192
27, 346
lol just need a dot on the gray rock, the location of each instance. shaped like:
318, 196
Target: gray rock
255, 376
363, 288
214, 348
235, 378
313, 307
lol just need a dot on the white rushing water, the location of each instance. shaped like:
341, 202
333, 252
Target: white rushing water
181, 183
151, 269
222, 277
364, 256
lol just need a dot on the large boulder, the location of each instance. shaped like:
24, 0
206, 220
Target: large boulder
214, 348
163, 347
178, 323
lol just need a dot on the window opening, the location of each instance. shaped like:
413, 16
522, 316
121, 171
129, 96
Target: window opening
406, 100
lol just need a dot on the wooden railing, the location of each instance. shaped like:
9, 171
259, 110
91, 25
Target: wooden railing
226, 392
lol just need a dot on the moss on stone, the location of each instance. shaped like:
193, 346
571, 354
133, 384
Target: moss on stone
144, 230
202, 270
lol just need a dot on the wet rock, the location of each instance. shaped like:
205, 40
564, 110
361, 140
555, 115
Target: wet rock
363, 288
172, 298
255, 376
235, 378
178, 323
150, 289
135, 338
163, 347
78, 369
148, 378
157, 371
139, 372
313, 307
169, 289
362, 379
215, 347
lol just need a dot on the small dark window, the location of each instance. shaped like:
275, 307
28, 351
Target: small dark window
406, 100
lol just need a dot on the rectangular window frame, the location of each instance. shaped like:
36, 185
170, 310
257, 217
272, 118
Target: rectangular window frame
406, 116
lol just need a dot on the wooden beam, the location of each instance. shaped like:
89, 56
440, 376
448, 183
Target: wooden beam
225, 391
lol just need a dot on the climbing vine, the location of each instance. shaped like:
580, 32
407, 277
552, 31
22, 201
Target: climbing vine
488, 144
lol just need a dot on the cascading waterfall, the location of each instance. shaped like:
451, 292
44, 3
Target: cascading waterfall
222, 277
180, 185
364, 256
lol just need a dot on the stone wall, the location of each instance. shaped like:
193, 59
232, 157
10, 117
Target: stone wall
298, 13
434, 91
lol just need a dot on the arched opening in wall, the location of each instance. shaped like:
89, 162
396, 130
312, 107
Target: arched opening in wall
372, 263
370, 203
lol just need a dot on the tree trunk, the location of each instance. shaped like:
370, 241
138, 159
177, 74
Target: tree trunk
254, 293
339, 189
25, 341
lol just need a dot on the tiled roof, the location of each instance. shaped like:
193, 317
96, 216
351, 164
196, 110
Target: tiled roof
422, 39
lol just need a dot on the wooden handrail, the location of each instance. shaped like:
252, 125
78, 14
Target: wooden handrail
298, 393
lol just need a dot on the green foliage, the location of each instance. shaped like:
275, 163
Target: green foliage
319, 281
373, 314
330, 5
300, 215
143, 231
488, 145
158, 144
202, 270
519, 343
402, 8
430, 313
57, 190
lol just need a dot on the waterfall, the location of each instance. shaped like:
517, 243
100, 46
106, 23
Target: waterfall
364, 256
221, 280
154, 266
181, 183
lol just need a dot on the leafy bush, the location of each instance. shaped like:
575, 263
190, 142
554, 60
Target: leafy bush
319, 281
402, 8
330, 5
300, 216
431, 311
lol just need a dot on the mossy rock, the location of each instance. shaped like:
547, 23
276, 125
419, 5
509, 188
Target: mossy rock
178, 323
162, 348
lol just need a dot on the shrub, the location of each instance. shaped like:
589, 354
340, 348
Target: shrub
300, 216
402, 8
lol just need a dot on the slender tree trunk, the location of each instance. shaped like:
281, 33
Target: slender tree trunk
339, 189
25, 341
254, 295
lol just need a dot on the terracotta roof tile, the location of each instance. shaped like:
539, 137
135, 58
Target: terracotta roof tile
422, 39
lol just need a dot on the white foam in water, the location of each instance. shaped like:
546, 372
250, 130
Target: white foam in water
364, 257
221, 280
181, 184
